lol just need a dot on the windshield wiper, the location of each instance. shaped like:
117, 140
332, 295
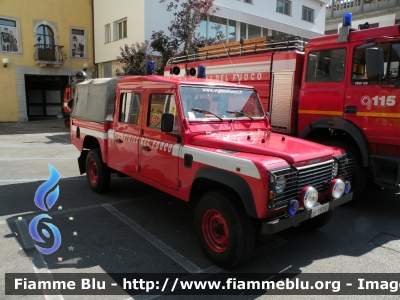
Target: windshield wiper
239, 114
206, 112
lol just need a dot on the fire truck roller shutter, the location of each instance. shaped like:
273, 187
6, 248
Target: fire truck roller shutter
228, 179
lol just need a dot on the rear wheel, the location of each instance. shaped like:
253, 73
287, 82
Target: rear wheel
360, 173
97, 173
224, 230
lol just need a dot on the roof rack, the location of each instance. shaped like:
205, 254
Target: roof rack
242, 47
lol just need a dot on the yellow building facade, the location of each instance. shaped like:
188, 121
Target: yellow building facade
42, 43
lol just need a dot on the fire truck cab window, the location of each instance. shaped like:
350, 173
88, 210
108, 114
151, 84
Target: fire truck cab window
391, 58
129, 108
326, 65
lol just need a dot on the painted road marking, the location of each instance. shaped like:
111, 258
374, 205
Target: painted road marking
184, 262
39, 265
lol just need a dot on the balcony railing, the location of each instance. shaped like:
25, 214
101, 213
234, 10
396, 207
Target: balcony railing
339, 7
49, 54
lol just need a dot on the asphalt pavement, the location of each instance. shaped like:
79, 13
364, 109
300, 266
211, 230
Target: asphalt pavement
135, 228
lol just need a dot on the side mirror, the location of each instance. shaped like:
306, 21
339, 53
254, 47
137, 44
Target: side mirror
167, 122
375, 66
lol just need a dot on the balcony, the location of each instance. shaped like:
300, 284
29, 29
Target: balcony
339, 7
49, 55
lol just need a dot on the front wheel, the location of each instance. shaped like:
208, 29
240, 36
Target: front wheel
98, 174
224, 230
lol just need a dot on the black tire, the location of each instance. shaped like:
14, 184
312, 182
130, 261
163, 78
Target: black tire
360, 173
98, 174
317, 222
234, 241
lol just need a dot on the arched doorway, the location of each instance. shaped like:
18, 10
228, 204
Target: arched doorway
45, 43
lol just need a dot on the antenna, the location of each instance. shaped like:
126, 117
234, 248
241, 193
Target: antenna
227, 53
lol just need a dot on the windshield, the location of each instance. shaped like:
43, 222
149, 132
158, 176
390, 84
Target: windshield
219, 102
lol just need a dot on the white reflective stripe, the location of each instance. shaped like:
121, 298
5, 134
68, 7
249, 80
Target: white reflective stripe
220, 161
252, 67
111, 133
284, 65
99, 134
175, 149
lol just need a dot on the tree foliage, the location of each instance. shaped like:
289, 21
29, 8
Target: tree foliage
134, 58
182, 37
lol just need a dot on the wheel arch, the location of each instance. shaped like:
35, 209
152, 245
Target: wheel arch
344, 130
89, 143
215, 178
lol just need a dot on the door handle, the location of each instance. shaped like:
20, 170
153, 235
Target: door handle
145, 148
118, 141
350, 109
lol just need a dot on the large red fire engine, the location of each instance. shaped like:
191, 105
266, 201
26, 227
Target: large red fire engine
341, 90
208, 142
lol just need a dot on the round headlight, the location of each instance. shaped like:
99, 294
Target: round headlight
280, 184
310, 197
336, 188
335, 169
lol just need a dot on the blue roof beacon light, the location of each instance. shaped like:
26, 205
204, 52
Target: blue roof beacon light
347, 18
201, 72
292, 208
150, 67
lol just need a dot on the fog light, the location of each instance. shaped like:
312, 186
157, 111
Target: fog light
292, 208
309, 196
347, 187
336, 188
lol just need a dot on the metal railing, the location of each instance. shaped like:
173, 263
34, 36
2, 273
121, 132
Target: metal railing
49, 53
223, 51
337, 8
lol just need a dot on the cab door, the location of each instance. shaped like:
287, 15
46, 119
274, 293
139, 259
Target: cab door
157, 161
125, 139
322, 93
372, 103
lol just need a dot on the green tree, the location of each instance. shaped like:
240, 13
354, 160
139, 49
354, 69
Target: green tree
182, 37
134, 59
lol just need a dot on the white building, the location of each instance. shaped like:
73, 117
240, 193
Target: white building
378, 13
121, 22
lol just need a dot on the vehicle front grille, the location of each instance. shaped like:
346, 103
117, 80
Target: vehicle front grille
317, 175
346, 165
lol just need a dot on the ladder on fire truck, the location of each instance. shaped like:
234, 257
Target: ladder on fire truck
242, 47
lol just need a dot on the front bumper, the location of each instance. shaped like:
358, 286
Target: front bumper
274, 226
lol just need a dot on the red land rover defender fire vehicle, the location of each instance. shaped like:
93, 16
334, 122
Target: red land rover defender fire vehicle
208, 142
330, 92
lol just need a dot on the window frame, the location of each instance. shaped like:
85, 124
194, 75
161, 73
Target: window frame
123, 28
173, 108
107, 33
289, 5
17, 34
308, 10
322, 70
122, 110
84, 39
386, 80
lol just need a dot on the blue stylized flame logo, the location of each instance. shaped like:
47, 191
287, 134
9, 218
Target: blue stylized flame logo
40, 197
45, 187
35, 235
